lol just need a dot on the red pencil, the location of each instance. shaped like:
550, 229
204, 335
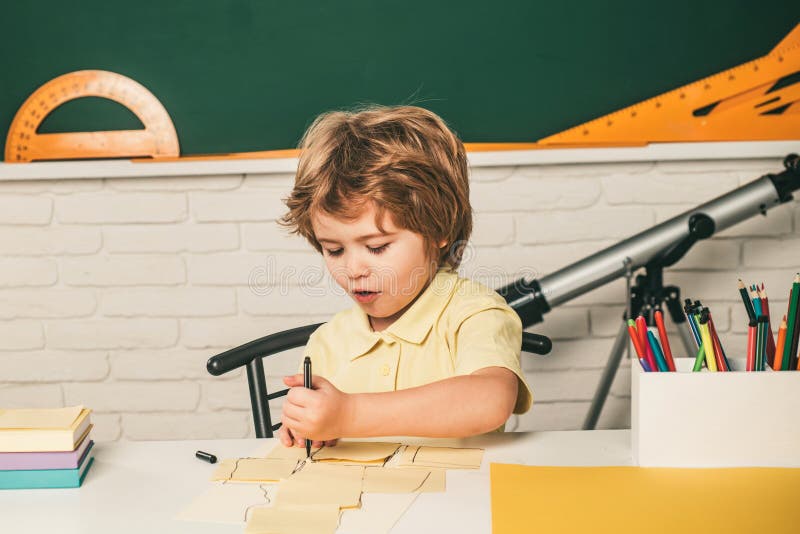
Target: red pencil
638, 346
717, 348
718, 352
751, 346
662, 333
641, 329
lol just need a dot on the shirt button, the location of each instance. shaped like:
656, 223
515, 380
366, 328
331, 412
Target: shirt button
385, 370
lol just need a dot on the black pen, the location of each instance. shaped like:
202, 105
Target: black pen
307, 383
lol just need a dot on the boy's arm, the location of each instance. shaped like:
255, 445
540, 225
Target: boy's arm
459, 406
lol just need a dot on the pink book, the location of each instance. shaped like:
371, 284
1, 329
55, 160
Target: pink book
12, 461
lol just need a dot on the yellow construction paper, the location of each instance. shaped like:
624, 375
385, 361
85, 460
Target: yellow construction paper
254, 470
357, 452
637, 499
441, 457
318, 483
410, 480
288, 519
39, 418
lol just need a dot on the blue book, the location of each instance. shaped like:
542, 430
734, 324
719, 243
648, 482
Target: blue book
48, 478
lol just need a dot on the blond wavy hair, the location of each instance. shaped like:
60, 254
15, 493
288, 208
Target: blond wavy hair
404, 159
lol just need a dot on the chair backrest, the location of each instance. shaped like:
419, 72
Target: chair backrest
251, 354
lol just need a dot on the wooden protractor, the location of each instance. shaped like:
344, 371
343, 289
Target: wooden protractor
158, 138
756, 101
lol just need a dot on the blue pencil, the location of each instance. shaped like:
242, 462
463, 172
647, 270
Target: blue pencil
661, 362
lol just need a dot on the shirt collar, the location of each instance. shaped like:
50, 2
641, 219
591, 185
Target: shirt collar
414, 325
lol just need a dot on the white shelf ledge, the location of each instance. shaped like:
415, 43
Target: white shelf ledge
58, 170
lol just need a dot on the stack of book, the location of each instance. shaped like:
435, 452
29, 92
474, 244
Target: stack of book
42, 448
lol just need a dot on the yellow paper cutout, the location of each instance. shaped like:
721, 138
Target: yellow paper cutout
318, 483
636, 499
254, 470
441, 457
356, 452
410, 480
288, 519
345, 452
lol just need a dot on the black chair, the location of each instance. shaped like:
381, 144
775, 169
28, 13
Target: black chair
251, 355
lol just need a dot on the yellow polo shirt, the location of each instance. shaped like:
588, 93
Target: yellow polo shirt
456, 327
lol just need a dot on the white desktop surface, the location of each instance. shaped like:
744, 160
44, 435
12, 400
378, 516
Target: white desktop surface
136, 487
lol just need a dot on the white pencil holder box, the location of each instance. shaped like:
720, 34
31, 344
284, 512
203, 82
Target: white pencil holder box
715, 419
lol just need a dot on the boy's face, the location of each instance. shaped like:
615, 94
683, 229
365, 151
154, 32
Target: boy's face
383, 273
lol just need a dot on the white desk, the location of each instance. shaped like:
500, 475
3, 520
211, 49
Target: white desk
136, 487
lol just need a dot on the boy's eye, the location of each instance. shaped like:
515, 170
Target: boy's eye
336, 252
378, 250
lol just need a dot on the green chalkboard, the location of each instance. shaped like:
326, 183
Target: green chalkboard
242, 75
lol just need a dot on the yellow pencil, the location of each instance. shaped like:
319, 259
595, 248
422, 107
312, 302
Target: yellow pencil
711, 360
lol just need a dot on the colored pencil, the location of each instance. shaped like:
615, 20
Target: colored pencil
776, 365
718, 350
660, 361
698, 361
796, 334
662, 333
687, 311
760, 338
748, 305
711, 360
751, 346
756, 301
722, 362
637, 345
641, 328
770, 337
790, 348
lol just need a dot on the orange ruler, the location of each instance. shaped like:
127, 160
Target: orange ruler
755, 101
158, 138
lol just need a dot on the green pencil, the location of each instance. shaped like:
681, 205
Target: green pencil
759, 344
698, 362
790, 349
789, 361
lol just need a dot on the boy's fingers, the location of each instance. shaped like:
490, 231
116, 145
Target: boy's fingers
293, 412
300, 396
293, 381
317, 382
294, 425
285, 436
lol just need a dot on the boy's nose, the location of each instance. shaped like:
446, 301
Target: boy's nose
357, 266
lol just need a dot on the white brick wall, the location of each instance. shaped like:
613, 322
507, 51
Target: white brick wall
115, 292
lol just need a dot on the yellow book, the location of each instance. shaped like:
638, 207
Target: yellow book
43, 430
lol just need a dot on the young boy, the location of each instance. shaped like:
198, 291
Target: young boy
383, 195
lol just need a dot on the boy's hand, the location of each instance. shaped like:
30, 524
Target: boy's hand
321, 412
288, 439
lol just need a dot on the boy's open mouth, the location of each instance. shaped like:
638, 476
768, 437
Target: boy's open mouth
365, 297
